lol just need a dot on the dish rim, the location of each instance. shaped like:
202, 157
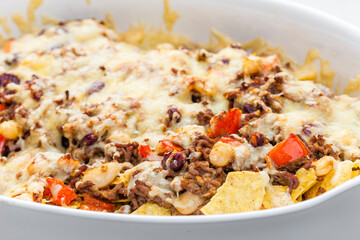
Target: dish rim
292, 7
200, 219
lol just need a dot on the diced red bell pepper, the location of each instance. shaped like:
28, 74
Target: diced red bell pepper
291, 149
3, 107
144, 150
2, 143
269, 62
7, 46
167, 146
60, 193
47, 193
231, 141
94, 204
225, 123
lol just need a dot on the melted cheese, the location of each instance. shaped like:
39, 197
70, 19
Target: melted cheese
138, 88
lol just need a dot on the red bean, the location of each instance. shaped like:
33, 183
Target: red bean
177, 161
89, 139
7, 78
174, 161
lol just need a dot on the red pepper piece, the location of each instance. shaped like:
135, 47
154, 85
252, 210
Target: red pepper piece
225, 123
231, 141
168, 146
3, 107
289, 150
94, 204
144, 150
60, 193
2, 143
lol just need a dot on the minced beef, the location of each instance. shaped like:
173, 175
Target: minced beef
123, 152
285, 179
110, 194
202, 179
139, 195
116, 193
35, 88
200, 148
204, 117
75, 177
320, 148
85, 153
294, 166
89, 188
274, 85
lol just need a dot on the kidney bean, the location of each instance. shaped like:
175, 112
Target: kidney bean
89, 139
177, 161
247, 108
7, 78
174, 161
257, 139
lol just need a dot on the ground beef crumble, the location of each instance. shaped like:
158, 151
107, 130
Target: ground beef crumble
204, 117
202, 179
113, 194
285, 179
320, 148
139, 195
200, 148
123, 152
293, 167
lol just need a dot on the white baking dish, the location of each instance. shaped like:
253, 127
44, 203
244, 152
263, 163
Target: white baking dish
333, 215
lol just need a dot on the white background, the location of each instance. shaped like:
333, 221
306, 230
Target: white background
348, 10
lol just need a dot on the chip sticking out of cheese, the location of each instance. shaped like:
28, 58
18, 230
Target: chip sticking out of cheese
355, 169
123, 178
152, 209
307, 179
340, 174
276, 196
241, 192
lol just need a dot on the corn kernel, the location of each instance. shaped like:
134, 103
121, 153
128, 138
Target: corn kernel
250, 67
9, 129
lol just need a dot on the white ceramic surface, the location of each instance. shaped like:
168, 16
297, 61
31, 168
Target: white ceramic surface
333, 215
344, 9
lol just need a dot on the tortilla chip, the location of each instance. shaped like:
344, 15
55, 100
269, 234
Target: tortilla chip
276, 196
355, 169
152, 209
340, 174
123, 178
122, 200
307, 179
241, 192
75, 205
